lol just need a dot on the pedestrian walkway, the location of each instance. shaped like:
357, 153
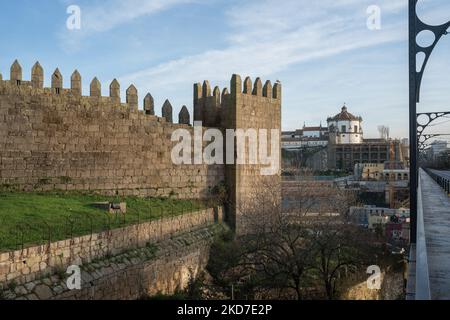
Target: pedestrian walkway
436, 212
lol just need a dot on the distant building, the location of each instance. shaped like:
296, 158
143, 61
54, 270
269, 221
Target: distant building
387, 171
371, 216
346, 156
444, 156
438, 150
301, 143
368, 171
345, 128
307, 137
375, 221
348, 147
438, 147
315, 132
398, 232
345, 145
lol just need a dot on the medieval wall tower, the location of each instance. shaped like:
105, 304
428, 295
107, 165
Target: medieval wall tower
244, 107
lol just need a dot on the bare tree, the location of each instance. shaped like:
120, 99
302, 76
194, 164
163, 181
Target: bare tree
285, 245
294, 249
276, 244
338, 247
384, 132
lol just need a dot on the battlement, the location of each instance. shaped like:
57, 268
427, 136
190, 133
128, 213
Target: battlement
16, 86
210, 106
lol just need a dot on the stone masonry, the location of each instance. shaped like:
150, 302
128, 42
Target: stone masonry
246, 106
162, 268
26, 265
56, 139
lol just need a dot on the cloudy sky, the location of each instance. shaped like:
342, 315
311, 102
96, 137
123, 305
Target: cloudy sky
322, 51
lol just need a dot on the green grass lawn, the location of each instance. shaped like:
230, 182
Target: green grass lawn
34, 218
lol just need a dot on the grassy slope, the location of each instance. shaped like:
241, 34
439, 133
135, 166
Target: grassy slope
33, 218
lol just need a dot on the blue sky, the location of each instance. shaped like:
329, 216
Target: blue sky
321, 51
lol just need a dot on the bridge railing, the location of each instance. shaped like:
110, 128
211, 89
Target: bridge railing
422, 283
440, 179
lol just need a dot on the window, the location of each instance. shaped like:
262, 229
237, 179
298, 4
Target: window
344, 128
57, 90
356, 128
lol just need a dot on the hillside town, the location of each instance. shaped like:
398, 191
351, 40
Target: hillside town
377, 169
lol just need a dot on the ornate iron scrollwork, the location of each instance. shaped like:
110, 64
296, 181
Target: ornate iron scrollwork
416, 26
430, 117
439, 32
426, 138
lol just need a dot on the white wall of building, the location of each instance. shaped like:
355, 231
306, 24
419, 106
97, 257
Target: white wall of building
347, 131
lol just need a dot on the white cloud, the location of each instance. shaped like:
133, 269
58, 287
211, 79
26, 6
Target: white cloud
113, 13
106, 15
266, 37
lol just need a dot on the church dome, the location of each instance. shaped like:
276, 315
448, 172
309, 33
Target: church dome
344, 115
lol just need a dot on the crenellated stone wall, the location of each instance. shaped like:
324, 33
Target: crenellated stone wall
66, 141
57, 139
244, 108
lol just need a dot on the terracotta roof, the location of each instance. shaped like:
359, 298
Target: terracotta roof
345, 115
312, 128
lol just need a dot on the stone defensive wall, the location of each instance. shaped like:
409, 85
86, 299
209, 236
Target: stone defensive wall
29, 264
163, 268
57, 139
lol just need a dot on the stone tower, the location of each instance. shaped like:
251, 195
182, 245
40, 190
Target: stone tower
244, 107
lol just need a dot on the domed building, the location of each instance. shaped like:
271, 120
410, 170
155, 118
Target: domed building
347, 146
345, 128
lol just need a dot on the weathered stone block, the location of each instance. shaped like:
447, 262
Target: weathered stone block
43, 292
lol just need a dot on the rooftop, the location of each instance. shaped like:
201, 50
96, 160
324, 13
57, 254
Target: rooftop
345, 116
